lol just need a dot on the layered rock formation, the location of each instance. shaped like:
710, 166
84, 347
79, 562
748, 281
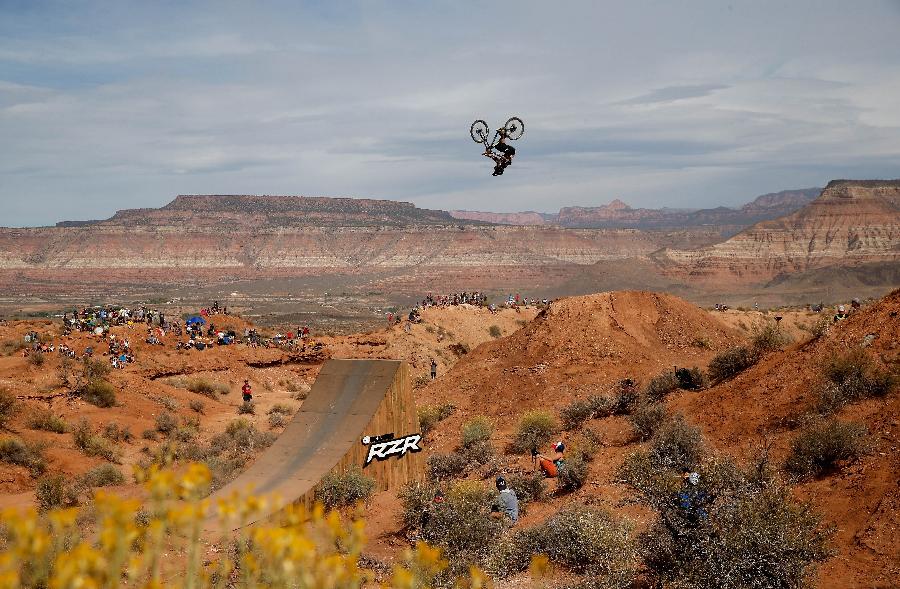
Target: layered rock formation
618, 214
851, 223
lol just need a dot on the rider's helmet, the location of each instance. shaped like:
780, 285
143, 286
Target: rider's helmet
501, 483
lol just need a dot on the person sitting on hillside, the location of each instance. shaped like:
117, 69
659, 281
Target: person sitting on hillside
508, 502
691, 499
550, 467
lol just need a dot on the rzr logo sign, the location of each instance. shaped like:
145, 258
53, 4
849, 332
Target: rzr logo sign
384, 446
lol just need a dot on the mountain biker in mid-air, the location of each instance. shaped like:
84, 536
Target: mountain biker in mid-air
507, 151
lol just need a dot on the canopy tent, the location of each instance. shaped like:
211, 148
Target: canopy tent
194, 320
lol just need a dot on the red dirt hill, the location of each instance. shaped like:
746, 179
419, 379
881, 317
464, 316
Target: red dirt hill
579, 345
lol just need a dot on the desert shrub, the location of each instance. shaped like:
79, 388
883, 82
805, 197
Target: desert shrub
197, 406
769, 338
743, 532
462, 525
494, 331
578, 411
282, 408
229, 451
11, 346
851, 377
534, 430
207, 388
702, 342
529, 487
731, 362
459, 349
46, 420
660, 386
648, 419
93, 445
347, 488
430, 415
819, 448
626, 399
99, 392
103, 476
8, 406
149, 434
36, 359
819, 327
54, 491
169, 403
166, 423
573, 473
93, 369
29, 455
479, 452
584, 539
476, 430
677, 445
247, 408
277, 420
445, 466
691, 379
114, 432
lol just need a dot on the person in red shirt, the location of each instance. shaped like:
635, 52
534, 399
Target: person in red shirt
247, 391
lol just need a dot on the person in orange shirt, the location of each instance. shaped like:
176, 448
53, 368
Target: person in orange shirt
550, 467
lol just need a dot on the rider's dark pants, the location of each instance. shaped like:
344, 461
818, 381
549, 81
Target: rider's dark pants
506, 149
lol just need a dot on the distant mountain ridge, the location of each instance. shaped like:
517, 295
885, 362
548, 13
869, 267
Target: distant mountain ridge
619, 215
852, 223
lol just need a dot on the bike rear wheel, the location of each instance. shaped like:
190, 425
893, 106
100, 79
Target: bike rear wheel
515, 128
479, 131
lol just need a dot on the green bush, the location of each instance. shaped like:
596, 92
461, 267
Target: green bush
8, 405
29, 455
691, 379
677, 445
819, 448
494, 331
626, 399
648, 419
114, 432
660, 386
851, 377
578, 411
461, 525
94, 445
93, 369
445, 466
731, 362
342, 489
583, 539
166, 423
769, 338
431, 415
476, 430
53, 491
99, 392
103, 476
573, 473
751, 536
534, 430
45, 420
528, 487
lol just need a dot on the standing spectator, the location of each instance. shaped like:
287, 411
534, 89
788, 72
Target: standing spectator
433, 369
247, 392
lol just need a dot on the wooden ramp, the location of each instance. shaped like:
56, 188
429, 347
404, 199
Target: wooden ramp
349, 400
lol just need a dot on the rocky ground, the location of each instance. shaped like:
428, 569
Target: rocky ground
500, 365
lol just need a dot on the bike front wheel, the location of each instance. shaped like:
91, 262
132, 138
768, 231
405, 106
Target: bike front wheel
479, 131
515, 128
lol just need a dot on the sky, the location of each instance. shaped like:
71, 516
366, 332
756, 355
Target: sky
109, 105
